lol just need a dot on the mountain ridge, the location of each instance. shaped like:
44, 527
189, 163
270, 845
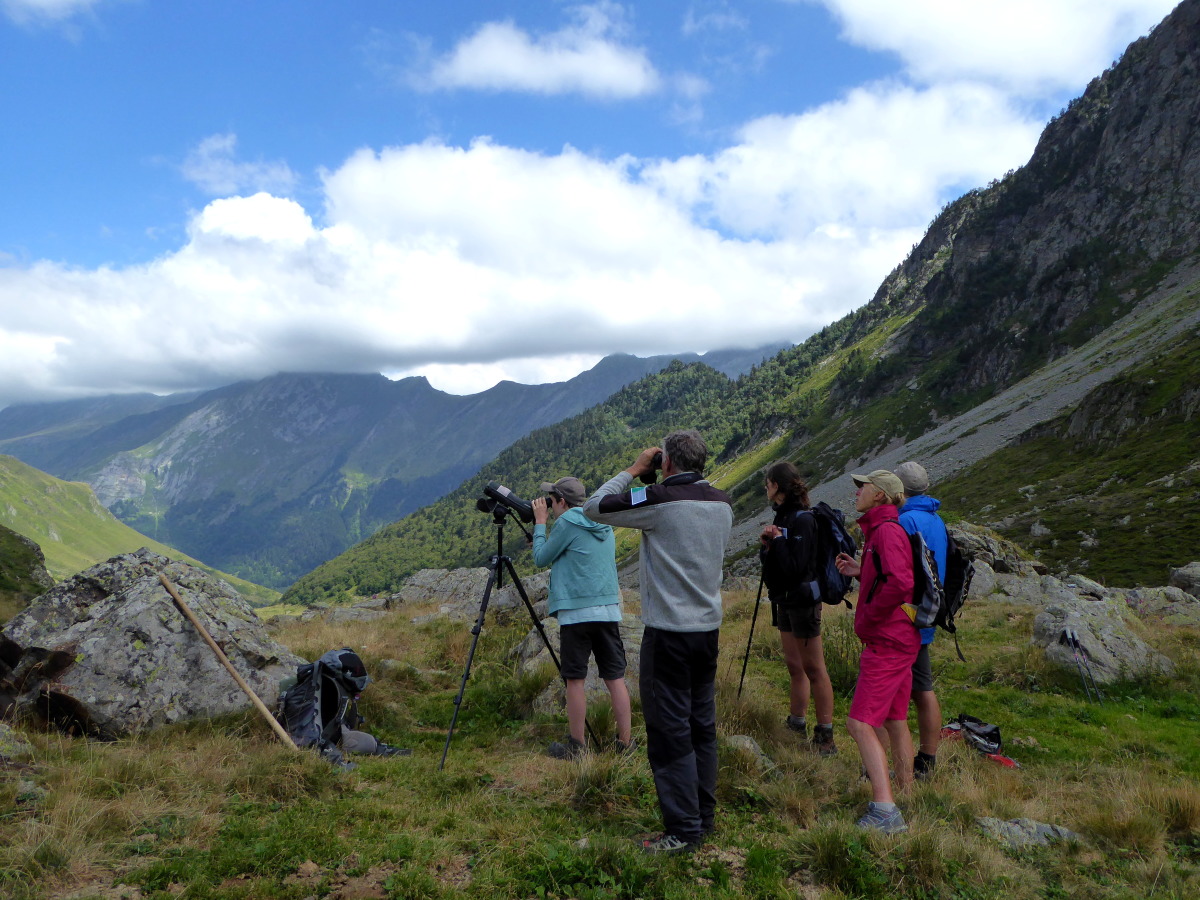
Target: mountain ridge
272, 477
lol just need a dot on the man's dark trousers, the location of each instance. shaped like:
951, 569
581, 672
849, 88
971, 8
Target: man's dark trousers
678, 675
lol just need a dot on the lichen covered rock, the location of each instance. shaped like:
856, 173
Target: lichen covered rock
108, 653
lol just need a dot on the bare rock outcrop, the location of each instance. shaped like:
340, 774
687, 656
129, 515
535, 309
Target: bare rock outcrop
1186, 578
1107, 642
459, 592
108, 653
1169, 604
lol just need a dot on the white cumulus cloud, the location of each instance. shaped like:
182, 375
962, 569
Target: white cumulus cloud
460, 263
586, 57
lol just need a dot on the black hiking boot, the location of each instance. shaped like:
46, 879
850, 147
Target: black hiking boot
798, 725
923, 766
568, 749
822, 741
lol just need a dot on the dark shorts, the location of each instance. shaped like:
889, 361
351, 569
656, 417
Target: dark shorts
922, 672
587, 638
802, 621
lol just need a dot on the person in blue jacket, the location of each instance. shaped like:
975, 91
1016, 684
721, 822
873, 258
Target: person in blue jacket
586, 600
920, 514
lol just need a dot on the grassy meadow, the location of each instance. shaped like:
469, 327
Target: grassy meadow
221, 810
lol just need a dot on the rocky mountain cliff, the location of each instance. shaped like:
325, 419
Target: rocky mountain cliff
1013, 275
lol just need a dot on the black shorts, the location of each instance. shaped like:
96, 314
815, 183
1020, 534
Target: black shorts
804, 621
922, 672
587, 638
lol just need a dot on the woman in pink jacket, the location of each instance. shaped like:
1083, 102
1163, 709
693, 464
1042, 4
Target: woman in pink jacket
890, 645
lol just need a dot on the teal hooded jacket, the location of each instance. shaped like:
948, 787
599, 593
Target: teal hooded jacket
582, 559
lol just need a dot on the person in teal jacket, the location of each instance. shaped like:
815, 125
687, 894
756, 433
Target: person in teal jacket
585, 598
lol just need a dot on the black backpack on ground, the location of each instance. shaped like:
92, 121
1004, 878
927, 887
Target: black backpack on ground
323, 699
831, 585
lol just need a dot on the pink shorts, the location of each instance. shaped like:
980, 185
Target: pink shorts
883, 688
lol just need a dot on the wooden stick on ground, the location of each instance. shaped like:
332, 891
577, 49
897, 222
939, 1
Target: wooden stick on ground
224, 660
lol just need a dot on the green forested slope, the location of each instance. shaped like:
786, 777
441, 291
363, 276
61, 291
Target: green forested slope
74, 530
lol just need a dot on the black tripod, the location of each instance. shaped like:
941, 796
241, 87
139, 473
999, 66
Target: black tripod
497, 565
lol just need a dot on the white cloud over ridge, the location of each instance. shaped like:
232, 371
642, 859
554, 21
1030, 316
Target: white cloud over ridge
429, 256
1024, 46
585, 58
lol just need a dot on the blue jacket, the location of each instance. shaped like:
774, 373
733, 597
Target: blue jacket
582, 557
919, 514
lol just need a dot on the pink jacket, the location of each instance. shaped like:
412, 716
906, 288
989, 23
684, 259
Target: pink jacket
878, 619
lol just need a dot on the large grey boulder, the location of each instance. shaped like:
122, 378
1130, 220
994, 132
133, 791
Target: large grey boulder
108, 653
1000, 556
531, 654
1170, 604
1186, 578
459, 593
1107, 641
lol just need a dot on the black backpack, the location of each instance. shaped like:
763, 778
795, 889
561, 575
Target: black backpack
831, 585
960, 569
323, 698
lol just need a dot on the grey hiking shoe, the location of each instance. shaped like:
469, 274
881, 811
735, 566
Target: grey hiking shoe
883, 821
568, 749
668, 844
798, 724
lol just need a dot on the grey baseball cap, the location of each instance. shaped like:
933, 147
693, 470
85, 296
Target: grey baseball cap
569, 488
914, 477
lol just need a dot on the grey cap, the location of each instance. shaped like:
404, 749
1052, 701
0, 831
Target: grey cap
914, 477
571, 489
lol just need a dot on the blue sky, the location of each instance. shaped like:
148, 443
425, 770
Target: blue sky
195, 193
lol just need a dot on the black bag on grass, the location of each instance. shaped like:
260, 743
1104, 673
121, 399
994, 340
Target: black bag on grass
323, 699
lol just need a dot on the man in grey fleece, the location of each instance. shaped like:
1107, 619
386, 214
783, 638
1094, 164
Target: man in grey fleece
685, 524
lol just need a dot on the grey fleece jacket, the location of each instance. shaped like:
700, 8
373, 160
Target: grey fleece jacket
685, 524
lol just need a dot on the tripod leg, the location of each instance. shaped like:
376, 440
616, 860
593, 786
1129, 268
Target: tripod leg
494, 567
542, 631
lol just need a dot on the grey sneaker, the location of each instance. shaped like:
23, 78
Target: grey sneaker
668, 844
883, 821
798, 724
567, 749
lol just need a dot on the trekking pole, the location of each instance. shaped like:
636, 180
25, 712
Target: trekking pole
1087, 666
1073, 643
224, 660
749, 640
